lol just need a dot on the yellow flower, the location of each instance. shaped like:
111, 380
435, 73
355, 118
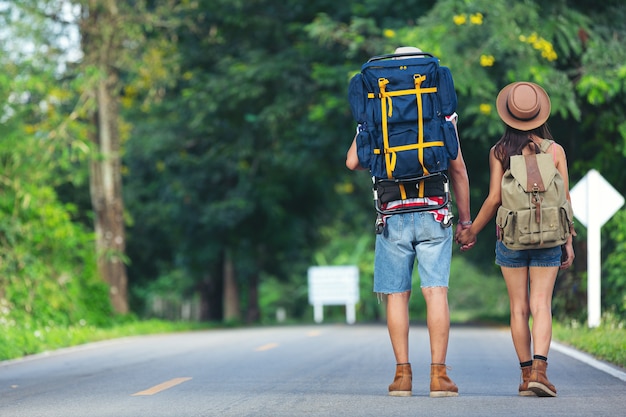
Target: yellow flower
459, 19
485, 108
345, 188
127, 102
487, 60
540, 44
389, 33
550, 55
476, 19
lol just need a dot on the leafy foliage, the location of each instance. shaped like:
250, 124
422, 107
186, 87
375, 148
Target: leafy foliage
47, 267
235, 130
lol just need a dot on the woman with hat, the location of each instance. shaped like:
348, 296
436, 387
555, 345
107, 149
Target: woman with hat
530, 275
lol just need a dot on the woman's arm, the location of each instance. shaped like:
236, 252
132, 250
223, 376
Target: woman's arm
490, 205
561, 166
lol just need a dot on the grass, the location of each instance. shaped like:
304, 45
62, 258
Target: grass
606, 342
16, 342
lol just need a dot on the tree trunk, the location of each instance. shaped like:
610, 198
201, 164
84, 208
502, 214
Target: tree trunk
254, 311
211, 297
107, 202
231, 293
101, 46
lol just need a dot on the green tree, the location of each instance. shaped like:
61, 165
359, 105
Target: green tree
47, 270
251, 164
122, 47
573, 48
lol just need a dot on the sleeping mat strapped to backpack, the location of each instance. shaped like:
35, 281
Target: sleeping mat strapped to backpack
401, 102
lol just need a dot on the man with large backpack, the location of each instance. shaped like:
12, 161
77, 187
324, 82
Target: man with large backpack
419, 230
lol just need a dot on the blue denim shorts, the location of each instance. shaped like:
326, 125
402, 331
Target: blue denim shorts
405, 238
511, 258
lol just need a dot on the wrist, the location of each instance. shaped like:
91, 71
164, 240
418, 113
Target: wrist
465, 224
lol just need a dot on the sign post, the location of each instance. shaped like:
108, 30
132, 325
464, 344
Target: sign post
594, 202
333, 285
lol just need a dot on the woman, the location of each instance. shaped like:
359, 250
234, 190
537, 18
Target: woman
530, 275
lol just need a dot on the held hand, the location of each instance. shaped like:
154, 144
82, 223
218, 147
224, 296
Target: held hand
465, 237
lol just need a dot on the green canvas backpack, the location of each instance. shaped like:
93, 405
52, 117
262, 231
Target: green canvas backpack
535, 212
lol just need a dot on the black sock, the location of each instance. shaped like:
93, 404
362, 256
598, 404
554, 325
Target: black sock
543, 358
525, 364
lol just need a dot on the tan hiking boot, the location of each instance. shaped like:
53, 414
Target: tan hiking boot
538, 382
440, 384
402, 385
523, 387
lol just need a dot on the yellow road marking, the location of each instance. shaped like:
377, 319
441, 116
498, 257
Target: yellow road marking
162, 387
266, 347
314, 333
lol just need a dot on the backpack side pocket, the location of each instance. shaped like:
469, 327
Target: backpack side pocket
364, 149
450, 139
505, 222
357, 97
445, 91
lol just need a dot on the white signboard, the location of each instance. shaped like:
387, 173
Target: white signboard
594, 202
333, 285
594, 195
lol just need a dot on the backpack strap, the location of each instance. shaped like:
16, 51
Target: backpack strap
534, 183
533, 174
545, 144
387, 111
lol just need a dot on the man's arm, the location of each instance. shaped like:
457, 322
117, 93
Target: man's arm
352, 159
460, 185
460, 180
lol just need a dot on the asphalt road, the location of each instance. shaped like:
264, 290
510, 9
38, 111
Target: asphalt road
317, 370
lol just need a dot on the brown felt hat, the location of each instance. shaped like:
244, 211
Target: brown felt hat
523, 105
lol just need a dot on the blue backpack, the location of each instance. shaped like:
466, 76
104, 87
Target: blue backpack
401, 102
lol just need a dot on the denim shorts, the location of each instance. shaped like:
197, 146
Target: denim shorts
511, 258
406, 237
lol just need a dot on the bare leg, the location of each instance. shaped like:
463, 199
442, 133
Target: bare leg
438, 321
517, 286
542, 281
398, 324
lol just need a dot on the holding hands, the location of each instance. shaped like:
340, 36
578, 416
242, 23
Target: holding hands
464, 236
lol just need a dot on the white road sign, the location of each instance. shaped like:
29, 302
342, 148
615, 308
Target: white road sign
594, 195
594, 202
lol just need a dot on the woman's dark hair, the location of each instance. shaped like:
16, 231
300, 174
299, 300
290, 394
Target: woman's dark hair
513, 141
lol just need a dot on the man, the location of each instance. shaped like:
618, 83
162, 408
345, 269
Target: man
405, 237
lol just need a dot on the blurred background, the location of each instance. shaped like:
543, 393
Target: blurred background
184, 160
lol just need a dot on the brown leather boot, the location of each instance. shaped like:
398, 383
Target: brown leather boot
440, 383
523, 387
538, 382
402, 385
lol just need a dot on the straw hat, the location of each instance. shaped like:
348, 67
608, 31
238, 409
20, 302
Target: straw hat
523, 105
